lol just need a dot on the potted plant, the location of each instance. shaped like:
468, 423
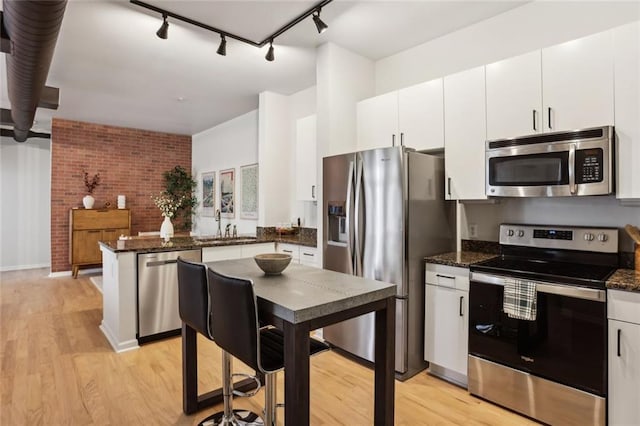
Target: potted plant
168, 206
180, 186
91, 185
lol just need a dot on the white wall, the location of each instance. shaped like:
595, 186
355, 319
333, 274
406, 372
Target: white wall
301, 104
274, 147
532, 26
344, 78
229, 145
578, 211
25, 204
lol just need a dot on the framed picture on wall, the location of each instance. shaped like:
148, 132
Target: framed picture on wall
249, 192
208, 194
227, 193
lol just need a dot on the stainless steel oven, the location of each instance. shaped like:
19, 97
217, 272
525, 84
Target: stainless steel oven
553, 164
553, 367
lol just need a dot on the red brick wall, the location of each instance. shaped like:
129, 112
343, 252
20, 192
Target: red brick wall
130, 162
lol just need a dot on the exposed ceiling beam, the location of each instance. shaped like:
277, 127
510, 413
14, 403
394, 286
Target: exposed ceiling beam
50, 98
5, 41
10, 134
5, 117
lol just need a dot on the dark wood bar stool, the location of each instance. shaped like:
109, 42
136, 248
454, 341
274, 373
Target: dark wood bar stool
237, 332
194, 300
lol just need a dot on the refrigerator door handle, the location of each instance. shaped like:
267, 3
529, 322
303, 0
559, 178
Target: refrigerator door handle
357, 231
349, 224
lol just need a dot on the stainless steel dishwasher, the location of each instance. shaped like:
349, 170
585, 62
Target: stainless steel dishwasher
158, 315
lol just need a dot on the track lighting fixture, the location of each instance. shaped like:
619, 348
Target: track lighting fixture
163, 32
270, 56
222, 49
321, 26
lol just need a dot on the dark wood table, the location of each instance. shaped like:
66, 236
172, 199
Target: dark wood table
300, 300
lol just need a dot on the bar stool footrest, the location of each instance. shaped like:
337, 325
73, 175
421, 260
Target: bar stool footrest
240, 418
251, 393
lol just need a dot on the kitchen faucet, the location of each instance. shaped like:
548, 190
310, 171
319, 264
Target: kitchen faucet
219, 231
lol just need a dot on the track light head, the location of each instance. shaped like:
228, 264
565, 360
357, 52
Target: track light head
222, 49
163, 32
270, 56
321, 26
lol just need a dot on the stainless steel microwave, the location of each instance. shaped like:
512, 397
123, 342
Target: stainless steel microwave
560, 164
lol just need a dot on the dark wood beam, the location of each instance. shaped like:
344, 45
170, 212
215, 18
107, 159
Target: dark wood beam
5, 41
5, 117
50, 98
9, 133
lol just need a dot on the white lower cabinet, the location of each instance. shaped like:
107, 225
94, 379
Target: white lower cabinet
446, 321
292, 249
299, 254
308, 256
623, 309
251, 250
212, 254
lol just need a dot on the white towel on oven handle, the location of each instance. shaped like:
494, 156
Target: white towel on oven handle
519, 299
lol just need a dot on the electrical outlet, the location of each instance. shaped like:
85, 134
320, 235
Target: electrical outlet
473, 230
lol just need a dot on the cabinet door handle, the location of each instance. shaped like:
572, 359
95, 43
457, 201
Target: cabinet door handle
549, 117
313, 191
94, 232
461, 300
449, 186
288, 251
307, 254
393, 140
445, 276
401, 139
534, 120
619, 333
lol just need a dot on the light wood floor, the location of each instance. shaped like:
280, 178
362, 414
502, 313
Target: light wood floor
57, 368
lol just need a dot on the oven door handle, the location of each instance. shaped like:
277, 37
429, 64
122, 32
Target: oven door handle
541, 287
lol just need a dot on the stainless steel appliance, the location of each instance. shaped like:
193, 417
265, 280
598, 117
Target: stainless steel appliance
554, 367
551, 165
158, 315
384, 211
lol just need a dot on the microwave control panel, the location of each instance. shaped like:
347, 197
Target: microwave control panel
589, 165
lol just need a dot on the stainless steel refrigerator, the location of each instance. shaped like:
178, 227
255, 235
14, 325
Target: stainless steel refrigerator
384, 211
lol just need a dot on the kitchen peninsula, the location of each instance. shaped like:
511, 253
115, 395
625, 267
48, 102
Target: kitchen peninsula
120, 273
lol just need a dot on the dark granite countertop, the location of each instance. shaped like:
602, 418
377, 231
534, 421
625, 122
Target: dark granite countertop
151, 244
625, 279
460, 259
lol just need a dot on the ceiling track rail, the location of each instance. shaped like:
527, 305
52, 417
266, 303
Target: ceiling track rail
268, 39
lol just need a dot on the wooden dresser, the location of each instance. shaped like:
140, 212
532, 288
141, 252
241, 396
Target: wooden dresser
87, 227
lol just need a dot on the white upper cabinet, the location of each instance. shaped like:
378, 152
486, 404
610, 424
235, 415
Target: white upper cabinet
412, 117
378, 122
514, 96
306, 159
465, 134
421, 115
627, 105
564, 87
577, 83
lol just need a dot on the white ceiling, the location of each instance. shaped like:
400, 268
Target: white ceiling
112, 69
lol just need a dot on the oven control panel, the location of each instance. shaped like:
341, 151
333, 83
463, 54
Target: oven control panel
603, 240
